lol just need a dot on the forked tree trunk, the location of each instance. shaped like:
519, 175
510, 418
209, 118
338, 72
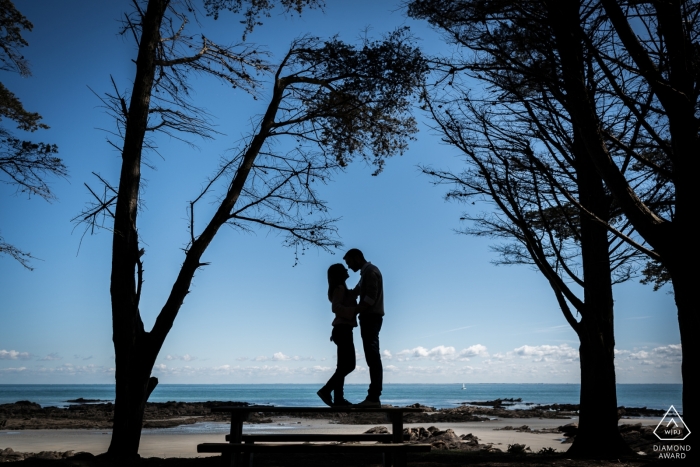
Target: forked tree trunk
133, 361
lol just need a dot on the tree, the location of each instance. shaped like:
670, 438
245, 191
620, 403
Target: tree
540, 227
332, 100
661, 62
528, 159
24, 164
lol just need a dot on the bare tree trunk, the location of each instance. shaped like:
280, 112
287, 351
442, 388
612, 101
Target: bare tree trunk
685, 286
682, 257
133, 390
598, 435
130, 340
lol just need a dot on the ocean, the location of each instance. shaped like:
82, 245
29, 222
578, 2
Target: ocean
653, 396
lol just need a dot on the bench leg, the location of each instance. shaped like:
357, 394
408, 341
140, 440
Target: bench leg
236, 436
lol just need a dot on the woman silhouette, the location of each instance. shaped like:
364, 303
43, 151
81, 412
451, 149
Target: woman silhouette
343, 305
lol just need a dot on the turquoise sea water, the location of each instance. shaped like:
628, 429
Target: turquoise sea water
656, 396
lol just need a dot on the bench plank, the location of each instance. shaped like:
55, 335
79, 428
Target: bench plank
276, 438
344, 409
318, 448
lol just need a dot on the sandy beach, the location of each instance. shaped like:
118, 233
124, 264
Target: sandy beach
182, 441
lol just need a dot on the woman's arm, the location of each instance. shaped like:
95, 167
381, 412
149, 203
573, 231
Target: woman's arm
347, 312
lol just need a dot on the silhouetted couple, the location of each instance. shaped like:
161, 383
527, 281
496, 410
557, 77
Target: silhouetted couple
370, 311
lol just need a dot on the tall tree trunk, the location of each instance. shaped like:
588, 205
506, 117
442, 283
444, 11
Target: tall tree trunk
682, 256
684, 277
598, 435
674, 239
133, 361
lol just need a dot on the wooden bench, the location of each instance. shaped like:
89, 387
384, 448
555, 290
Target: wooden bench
391, 445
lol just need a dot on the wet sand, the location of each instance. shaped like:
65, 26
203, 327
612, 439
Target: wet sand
182, 441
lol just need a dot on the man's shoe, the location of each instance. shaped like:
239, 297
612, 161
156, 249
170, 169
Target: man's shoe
342, 403
369, 404
325, 397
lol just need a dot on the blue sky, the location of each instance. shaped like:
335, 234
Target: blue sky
252, 316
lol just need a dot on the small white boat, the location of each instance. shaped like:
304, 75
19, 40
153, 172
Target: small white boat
463, 386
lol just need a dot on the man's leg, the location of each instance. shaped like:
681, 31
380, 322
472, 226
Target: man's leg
369, 329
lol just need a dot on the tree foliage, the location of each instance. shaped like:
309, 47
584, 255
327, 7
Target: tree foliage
253, 10
24, 164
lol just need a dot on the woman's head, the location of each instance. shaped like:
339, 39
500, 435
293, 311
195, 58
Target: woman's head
337, 274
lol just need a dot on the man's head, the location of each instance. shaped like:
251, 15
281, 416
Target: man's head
354, 259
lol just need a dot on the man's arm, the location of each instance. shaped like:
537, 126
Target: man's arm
370, 281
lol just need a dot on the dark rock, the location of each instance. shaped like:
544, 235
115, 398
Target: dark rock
81, 400
639, 412
379, 430
494, 403
569, 430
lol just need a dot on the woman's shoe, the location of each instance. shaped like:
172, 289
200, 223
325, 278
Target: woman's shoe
325, 397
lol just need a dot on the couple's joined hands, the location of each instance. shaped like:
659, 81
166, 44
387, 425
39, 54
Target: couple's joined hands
344, 311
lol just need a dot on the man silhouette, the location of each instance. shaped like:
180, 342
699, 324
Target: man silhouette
370, 289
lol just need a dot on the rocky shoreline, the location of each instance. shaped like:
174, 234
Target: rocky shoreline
26, 415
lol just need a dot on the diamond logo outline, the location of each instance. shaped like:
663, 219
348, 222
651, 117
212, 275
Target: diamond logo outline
675, 415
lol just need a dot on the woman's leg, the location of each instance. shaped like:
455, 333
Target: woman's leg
342, 335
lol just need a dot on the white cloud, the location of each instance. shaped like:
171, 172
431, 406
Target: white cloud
240, 371
476, 350
669, 351
436, 353
184, 358
14, 355
641, 355
546, 353
69, 369
386, 355
442, 353
13, 370
51, 357
277, 357
662, 357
